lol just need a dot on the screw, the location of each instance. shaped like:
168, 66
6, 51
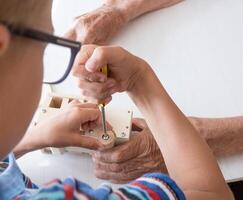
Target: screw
123, 134
129, 111
35, 123
127, 127
43, 110
105, 137
91, 131
85, 101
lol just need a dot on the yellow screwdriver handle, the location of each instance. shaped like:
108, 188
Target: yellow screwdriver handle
104, 70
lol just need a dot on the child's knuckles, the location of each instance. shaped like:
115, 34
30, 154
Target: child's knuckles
74, 102
75, 111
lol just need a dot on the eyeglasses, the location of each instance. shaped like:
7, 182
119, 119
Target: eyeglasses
59, 54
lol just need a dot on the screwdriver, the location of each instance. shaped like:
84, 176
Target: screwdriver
105, 136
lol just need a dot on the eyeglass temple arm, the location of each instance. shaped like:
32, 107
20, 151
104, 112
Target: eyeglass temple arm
44, 37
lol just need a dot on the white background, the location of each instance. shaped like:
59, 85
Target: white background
196, 49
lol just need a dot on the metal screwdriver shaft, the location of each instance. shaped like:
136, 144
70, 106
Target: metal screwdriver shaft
105, 136
102, 109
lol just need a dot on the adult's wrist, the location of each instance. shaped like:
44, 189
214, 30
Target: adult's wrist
147, 92
135, 8
129, 9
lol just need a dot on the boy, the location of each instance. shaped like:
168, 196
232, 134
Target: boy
21, 54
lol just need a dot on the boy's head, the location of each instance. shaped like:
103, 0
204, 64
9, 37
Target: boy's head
21, 69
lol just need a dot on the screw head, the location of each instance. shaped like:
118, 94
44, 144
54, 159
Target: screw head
105, 137
123, 134
43, 110
91, 131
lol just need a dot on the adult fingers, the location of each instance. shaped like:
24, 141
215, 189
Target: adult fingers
78, 116
97, 90
82, 74
124, 167
104, 55
71, 34
119, 177
138, 124
120, 153
77, 103
78, 140
79, 70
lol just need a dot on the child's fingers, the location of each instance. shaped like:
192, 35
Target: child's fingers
88, 142
78, 104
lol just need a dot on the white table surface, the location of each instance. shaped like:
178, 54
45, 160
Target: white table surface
196, 49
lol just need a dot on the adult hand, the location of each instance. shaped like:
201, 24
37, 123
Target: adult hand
132, 159
98, 26
125, 70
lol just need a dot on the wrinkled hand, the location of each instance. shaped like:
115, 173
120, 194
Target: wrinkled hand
130, 160
98, 26
125, 70
63, 129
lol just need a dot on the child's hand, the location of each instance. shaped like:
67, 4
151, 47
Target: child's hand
63, 129
125, 70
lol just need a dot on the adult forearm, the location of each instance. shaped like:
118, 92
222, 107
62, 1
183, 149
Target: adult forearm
135, 8
223, 135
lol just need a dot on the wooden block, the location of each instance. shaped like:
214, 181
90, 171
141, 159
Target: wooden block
120, 119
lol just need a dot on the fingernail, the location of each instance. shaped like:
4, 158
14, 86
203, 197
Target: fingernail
90, 65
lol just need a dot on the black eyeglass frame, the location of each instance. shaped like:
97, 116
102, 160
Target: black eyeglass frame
48, 38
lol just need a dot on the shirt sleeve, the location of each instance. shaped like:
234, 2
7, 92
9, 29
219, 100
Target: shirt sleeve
4, 164
150, 186
28, 183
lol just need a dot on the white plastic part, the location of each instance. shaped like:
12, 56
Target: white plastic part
120, 119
